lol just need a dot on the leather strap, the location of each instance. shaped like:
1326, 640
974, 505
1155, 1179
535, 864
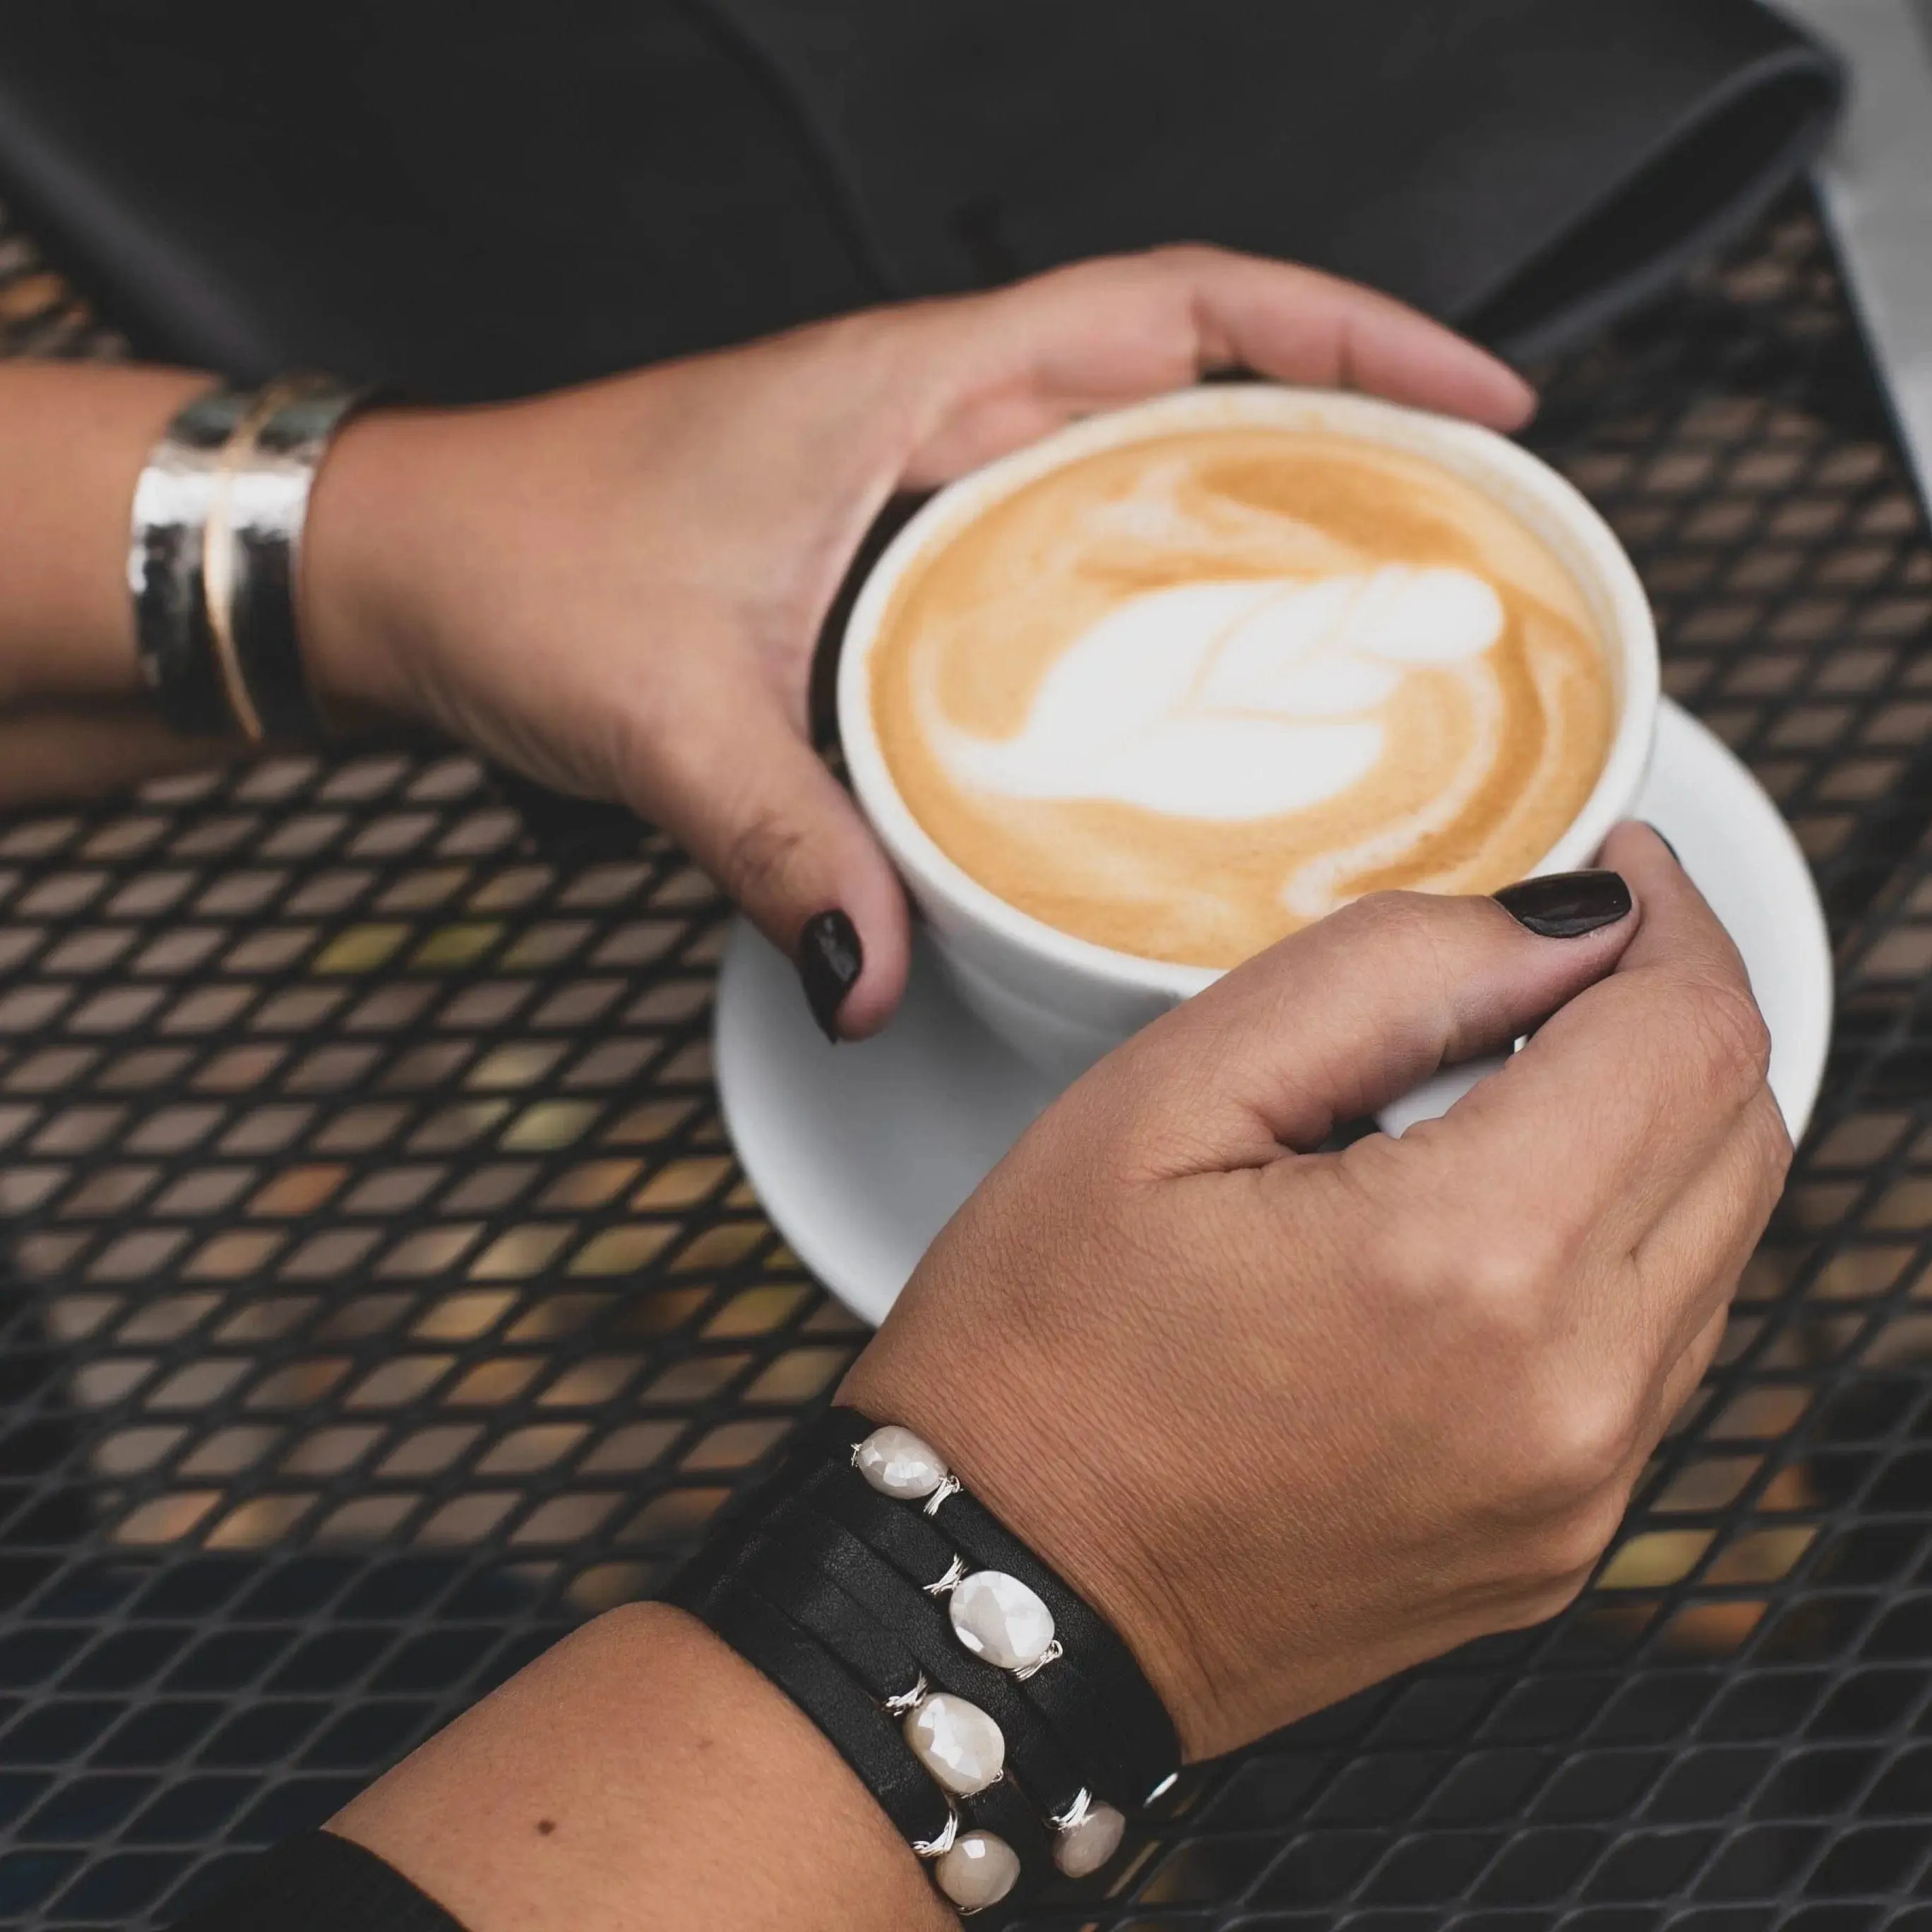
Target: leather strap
1003, 1809
1103, 1658
1094, 1695
824, 1584
805, 1544
873, 1653
863, 1735
886, 1670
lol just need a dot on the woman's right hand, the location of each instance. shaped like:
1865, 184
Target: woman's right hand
1296, 1419
617, 590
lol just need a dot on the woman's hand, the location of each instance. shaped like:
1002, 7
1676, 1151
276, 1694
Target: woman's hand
1296, 1419
617, 590
1292, 1419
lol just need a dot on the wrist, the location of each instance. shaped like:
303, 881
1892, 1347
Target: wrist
641, 1760
78, 436
363, 550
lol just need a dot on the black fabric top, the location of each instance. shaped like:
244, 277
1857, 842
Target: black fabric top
318, 1883
486, 198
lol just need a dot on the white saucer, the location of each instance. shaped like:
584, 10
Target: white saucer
861, 1154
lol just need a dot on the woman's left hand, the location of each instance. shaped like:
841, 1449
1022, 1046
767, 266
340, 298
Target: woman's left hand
617, 590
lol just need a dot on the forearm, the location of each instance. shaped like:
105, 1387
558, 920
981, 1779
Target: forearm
642, 1775
49, 753
75, 717
73, 439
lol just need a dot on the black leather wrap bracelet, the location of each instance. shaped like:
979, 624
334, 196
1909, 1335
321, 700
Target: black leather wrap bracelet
1001, 1722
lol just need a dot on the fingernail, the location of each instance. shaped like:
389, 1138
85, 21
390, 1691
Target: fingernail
1566, 905
829, 961
1665, 843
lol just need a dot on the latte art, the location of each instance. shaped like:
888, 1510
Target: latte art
1186, 695
1228, 701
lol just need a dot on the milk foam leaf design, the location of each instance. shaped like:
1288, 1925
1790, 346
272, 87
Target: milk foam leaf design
1229, 701
1322, 885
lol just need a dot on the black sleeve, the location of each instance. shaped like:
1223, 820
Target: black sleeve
321, 1883
331, 188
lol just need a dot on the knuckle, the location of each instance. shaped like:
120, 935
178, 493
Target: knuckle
1556, 1504
1503, 1287
1395, 918
760, 856
1541, 1599
1773, 1136
1566, 1555
1407, 933
1730, 1044
1509, 1280
1490, 1299
1491, 1286
1542, 1565
1576, 1447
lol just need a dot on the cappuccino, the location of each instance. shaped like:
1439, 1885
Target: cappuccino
1184, 695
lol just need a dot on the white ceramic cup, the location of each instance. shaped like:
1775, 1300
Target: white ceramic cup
1061, 1001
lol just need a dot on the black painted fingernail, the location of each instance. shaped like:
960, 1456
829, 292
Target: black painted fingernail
1566, 905
1665, 842
829, 961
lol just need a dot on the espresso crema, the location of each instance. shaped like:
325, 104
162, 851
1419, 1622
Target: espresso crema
1183, 696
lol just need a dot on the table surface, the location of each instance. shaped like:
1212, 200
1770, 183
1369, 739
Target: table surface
385, 1298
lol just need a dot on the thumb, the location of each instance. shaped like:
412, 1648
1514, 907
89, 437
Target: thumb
756, 807
1344, 1017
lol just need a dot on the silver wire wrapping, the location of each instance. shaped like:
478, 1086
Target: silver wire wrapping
1054, 1650
950, 1485
938, 1848
907, 1700
955, 1574
1075, 1813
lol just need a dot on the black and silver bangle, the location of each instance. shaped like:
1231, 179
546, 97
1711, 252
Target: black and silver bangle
948, 1664
214, 554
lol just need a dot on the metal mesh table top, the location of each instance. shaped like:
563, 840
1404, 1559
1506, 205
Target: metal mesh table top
384, 1298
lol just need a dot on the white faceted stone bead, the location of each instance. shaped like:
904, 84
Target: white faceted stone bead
962, 1747
997, 1617
980, 1870
1084, 1848
897, 1463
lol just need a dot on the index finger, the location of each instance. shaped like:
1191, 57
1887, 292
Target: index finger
1004, 368
1623, 1096
1300, 326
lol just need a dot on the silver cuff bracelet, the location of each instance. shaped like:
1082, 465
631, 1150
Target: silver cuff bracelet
214, 554
164, 566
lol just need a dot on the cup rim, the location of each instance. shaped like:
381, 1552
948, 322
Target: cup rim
1479, 456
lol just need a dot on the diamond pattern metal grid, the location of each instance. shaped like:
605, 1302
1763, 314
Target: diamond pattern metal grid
384, 1298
